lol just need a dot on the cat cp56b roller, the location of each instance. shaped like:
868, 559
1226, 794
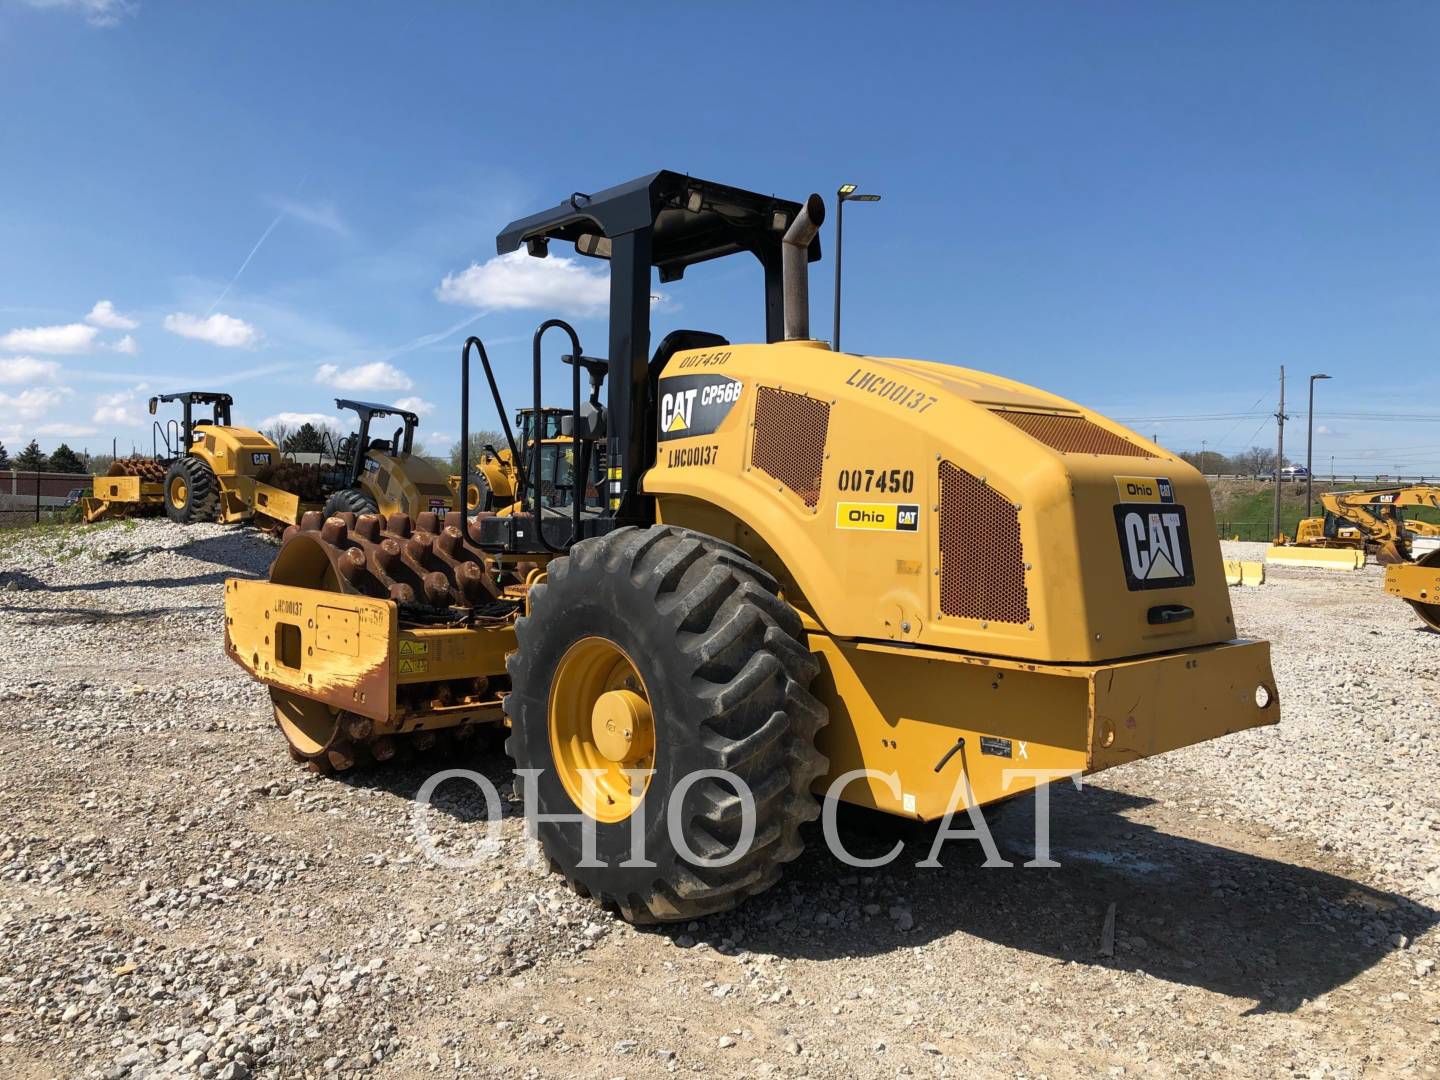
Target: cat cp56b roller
804, 563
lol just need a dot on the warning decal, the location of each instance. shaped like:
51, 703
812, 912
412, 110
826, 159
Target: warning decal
1154, 546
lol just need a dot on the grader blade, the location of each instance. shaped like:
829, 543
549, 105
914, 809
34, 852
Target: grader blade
1319, 558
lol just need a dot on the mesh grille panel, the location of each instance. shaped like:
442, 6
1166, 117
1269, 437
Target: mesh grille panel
790, 431
1072, 434
982, 565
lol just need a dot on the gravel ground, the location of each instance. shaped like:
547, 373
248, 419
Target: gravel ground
177, 899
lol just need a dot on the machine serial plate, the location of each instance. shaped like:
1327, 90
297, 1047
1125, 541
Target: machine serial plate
994, 747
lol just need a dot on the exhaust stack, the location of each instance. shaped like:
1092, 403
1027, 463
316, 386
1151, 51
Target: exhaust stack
795, 268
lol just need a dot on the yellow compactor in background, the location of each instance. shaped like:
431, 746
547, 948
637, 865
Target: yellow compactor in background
210, 471
1418, 584
385, 475
802, 564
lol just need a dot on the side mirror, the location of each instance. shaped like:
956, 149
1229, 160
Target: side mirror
154, 402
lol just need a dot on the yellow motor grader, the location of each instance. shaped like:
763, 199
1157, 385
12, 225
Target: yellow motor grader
914, 581
210, 470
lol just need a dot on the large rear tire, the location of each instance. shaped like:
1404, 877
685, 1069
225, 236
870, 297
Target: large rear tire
350, 501
667, 650
191, 491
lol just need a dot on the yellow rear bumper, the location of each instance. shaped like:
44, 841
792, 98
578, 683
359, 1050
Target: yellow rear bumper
920, 719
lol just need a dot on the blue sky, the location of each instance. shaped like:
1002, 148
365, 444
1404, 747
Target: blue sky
1145, 207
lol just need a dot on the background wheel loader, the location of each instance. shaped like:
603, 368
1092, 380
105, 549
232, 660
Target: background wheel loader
557, 470
803, 564
210, 470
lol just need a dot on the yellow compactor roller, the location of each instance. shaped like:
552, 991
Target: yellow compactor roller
386, 476
802, 563
1418, 584
211, 471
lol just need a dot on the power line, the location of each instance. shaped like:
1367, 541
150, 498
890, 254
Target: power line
1206, 418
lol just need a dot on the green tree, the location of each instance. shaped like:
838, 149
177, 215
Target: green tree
31, 458
4, 458
308, 440
65, 460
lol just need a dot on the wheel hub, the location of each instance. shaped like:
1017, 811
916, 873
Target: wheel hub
177, 491
622, 726
602, 729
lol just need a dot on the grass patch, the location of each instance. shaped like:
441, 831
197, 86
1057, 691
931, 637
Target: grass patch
57, 533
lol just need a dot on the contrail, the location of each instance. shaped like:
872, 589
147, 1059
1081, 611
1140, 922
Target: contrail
243, 265
430, 339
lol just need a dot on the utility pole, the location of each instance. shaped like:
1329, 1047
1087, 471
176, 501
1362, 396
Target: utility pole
1280, 419
1203, 443
1310, 445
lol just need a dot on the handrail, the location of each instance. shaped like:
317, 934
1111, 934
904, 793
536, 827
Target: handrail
577, 504
463, 496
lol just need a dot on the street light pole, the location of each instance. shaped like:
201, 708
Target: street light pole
1310, 447
839, 254
846, 193
1280, 419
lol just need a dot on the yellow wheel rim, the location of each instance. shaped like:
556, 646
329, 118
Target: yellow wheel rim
178, 491
601, 724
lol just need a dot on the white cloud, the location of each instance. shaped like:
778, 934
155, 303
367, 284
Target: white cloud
33, 403
374, 376
66, 429
119, 409
418, 405
26, 369
517, 281
71, 338
102, 13
437, 442
299, 419
224, 330
322, 215
127, 345
103, 314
